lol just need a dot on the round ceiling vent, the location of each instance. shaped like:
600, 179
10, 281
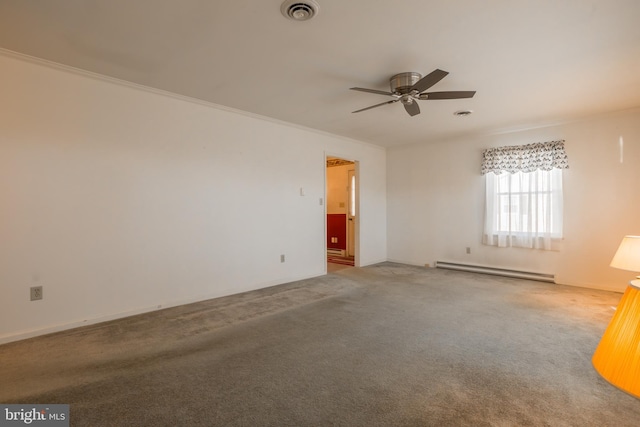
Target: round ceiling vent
299, 10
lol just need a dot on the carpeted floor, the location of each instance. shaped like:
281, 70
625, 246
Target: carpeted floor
386, 345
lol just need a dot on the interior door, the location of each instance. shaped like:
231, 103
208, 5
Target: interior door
351, 214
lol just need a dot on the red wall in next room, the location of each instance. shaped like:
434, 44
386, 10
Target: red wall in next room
337, 227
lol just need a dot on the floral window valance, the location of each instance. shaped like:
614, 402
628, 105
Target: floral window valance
526, 158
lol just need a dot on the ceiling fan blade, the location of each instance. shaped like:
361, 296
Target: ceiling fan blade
377, 105
379, 92
448, 95
412, 108
429, 80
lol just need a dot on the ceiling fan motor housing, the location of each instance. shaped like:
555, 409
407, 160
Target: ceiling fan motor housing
402, 83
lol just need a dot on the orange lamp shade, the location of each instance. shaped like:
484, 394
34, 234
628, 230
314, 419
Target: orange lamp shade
617, 357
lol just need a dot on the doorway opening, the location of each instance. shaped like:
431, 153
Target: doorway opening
342, 212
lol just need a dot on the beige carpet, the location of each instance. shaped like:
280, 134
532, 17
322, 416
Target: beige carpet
387, 345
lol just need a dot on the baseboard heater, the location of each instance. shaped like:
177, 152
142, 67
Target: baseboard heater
543, 277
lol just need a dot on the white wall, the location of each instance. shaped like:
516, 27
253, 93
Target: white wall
436, 201
119, 200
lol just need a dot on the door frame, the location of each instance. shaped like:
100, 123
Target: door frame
356, 237
352, 220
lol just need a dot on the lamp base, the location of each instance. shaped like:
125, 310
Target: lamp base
617, 357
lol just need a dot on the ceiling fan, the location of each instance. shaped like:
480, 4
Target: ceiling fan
410, 87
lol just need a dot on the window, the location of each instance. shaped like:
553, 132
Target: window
523, 200
524, 209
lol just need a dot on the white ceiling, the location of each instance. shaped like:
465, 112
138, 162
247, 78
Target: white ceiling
532, 62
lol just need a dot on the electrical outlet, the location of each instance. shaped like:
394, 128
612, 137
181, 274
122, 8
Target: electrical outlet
282, 258
468, 250
36, 293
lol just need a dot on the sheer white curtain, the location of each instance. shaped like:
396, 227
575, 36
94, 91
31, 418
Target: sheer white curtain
523, 206
524, 209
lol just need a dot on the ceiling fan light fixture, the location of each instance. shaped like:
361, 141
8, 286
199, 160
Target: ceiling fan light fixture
406, 100
299, 10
